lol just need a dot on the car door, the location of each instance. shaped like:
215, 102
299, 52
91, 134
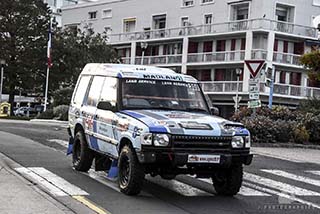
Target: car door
88, 110
107, 119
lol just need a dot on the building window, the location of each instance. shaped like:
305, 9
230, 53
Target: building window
129, 25
107, 13
208, 19
206, 1
185, 22
92, 15
316, 2
159, 21
187, 3
284, 13
239, 11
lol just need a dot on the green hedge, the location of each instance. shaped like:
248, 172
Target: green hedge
281, 125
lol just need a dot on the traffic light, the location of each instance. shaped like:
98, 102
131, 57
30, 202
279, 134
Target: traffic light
269, 76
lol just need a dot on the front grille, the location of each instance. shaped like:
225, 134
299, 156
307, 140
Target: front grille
186, 141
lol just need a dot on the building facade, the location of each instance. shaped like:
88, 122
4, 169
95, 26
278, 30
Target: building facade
210, 39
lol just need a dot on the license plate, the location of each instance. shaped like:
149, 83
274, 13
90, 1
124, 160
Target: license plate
203, 158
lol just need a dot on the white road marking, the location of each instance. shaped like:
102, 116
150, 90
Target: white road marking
315, 172
290, 197
245, 191
40, 181
58, 181
293, 177
279, 185
60, 142
277, 157
101, 178
178, 187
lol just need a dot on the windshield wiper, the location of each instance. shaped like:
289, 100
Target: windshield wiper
196, 109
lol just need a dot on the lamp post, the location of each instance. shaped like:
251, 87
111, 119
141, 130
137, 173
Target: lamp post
2, 63
144, 46
236, 106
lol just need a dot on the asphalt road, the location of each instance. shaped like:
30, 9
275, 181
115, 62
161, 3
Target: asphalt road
270, 185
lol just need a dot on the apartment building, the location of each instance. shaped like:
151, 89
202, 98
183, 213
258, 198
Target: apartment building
55, 6
210, 39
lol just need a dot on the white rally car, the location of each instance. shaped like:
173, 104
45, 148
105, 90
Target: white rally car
148, 120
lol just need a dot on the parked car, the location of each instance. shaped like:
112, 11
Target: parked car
23, 111
149, 120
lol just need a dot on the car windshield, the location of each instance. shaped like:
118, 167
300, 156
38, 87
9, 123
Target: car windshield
162, 94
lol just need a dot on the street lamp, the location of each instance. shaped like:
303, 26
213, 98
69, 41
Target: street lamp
144, 46
236, 106
2, 63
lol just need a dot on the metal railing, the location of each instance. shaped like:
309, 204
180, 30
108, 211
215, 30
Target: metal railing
126, 60
220, 86
158, 60
259, 54
225, 27
212, 87
224, 56
286, 58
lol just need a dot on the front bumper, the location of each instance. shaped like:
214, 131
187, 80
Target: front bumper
177, 158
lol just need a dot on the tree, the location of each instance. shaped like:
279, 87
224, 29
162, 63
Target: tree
23, 40
311, 61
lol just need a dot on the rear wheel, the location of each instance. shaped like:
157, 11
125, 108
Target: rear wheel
131, 172
82, 155
228, 181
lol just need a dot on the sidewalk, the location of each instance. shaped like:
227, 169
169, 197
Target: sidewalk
18, 195
299, 155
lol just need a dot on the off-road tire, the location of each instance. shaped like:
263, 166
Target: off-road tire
82, 155
131, 172
228, 181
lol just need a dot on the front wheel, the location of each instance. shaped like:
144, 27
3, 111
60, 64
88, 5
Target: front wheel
228, 181
131, 172
82, 155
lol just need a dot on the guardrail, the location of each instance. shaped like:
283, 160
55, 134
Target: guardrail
224, 56
220, 86
259, 54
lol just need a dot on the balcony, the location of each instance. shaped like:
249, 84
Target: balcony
259, 54
126, 60
225, 56
283, 90
160, 60
212, 87
217, 28
287, 58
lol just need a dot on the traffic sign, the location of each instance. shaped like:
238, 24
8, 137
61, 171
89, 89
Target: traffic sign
254, 96
254, 66
254, 103
235, 99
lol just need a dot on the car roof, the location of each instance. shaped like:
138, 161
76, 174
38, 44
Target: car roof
135, 71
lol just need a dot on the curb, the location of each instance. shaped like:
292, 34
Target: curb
286, 145
49, 121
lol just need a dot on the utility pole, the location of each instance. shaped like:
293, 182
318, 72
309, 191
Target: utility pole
2, 63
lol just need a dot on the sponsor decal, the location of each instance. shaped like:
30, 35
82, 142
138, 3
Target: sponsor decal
195, 125
160, 76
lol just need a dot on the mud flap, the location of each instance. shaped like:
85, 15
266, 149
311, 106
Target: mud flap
70, 146
113, 172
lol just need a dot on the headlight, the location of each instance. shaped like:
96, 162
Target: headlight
161, 140
146, 139
247, 141
237, 142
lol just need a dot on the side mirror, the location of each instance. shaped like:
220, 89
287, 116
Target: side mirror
105, 105
215, 111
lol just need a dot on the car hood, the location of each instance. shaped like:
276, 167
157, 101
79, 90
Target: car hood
184, 123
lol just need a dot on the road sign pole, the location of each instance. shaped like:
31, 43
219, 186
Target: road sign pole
271, 87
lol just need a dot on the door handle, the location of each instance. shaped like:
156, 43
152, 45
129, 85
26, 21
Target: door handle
97, 116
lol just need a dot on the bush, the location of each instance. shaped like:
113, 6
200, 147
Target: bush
61, 112
62, 96
301, 134
313, 126
46, 114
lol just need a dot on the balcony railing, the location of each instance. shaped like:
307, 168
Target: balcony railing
212, 87
259, 54
159, 60
126, 60
286, 58
221, 86
225, 27
225, 56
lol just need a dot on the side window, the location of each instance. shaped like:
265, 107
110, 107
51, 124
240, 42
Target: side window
109, 91
81, 90
95, 90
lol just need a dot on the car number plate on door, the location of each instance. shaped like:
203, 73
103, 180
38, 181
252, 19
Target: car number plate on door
203, 158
